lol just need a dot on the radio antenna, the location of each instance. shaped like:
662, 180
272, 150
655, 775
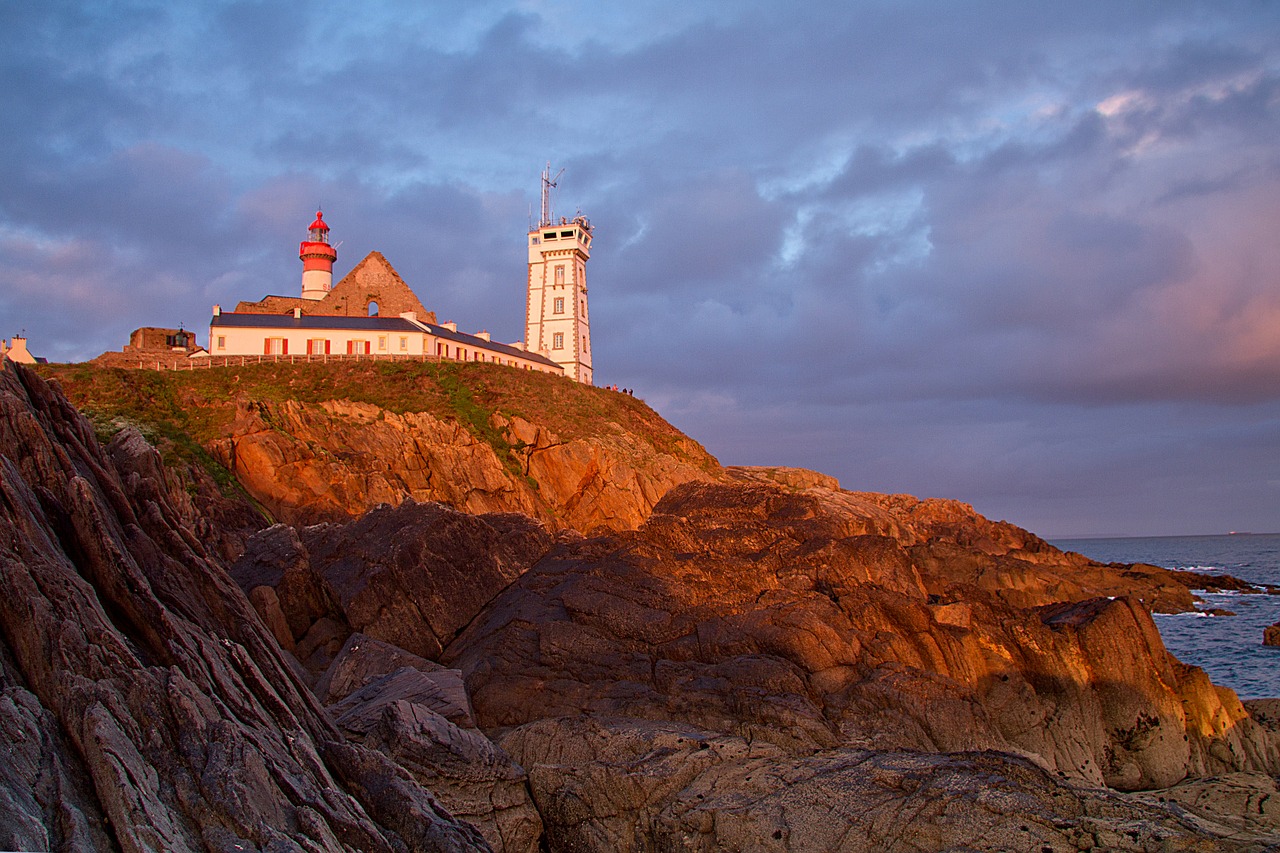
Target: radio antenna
548, 183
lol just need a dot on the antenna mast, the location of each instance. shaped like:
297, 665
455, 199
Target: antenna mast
548, 183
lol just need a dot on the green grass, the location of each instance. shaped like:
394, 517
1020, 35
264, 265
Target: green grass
190, 409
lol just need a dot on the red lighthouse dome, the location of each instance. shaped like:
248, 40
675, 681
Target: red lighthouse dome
317, 258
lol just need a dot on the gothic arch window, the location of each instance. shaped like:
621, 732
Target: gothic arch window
373, 308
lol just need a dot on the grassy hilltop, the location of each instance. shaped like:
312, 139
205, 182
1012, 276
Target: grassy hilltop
189, 409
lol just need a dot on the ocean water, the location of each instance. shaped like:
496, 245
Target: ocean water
1229, 648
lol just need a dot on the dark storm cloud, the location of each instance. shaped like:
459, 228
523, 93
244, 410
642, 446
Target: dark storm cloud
1018, 254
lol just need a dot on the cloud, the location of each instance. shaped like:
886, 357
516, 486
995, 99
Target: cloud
1019, 255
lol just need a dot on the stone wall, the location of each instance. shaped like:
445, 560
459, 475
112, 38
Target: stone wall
372, 280
151, 339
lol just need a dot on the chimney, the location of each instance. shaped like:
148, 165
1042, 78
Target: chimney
217, 310
484, 335
450, 325
297, 313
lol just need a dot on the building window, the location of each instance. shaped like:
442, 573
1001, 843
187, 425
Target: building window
317, 346
548, 235
357, 347
373, 309
276, 346
382, 343
442, 350
557, 340
404, 344
178, 340
559, 273
558, 305
222, 342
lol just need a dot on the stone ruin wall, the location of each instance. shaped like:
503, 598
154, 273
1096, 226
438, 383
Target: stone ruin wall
372, 280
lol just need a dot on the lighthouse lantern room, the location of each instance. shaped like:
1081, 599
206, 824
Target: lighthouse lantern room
317, 258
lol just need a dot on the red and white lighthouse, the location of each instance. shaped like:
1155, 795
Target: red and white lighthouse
317, 261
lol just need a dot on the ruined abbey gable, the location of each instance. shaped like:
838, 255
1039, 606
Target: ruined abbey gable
371, 286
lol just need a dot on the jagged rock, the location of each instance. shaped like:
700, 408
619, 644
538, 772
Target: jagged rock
797, 479
217, 515
45, 801
412, 575
1271, 635
474, 778
364, 659
767, 662
184, 726
440, 691
333, 461
1241, 805
779, 616
616, 784
419, 716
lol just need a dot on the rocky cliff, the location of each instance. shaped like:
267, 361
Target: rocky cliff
315, 443
739, 659
338, 459
144, 705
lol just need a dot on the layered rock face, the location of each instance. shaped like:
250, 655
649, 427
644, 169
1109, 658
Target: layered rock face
144, 705
782, 648
334, 461
626, 784
782, 617
769, 663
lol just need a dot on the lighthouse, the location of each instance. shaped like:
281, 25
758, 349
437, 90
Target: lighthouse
556, 324
317, 258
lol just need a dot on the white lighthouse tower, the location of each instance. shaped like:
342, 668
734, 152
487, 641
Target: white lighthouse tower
317, 258
556, 320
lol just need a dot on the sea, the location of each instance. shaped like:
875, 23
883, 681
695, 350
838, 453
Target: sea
1228, 648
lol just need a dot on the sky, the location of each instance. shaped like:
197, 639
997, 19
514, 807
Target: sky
1022, 255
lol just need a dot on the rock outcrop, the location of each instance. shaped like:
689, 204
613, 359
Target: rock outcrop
610, 784
1271, 635
415, 574
412, 574
418, 714
145, 705
336, 460
776, 616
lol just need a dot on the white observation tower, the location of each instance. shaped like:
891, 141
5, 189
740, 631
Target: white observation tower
556, 320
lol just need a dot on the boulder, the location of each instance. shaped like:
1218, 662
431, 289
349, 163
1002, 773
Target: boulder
411, 575
1271, 635
420, 718
364, 659
440, 691
476, 780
